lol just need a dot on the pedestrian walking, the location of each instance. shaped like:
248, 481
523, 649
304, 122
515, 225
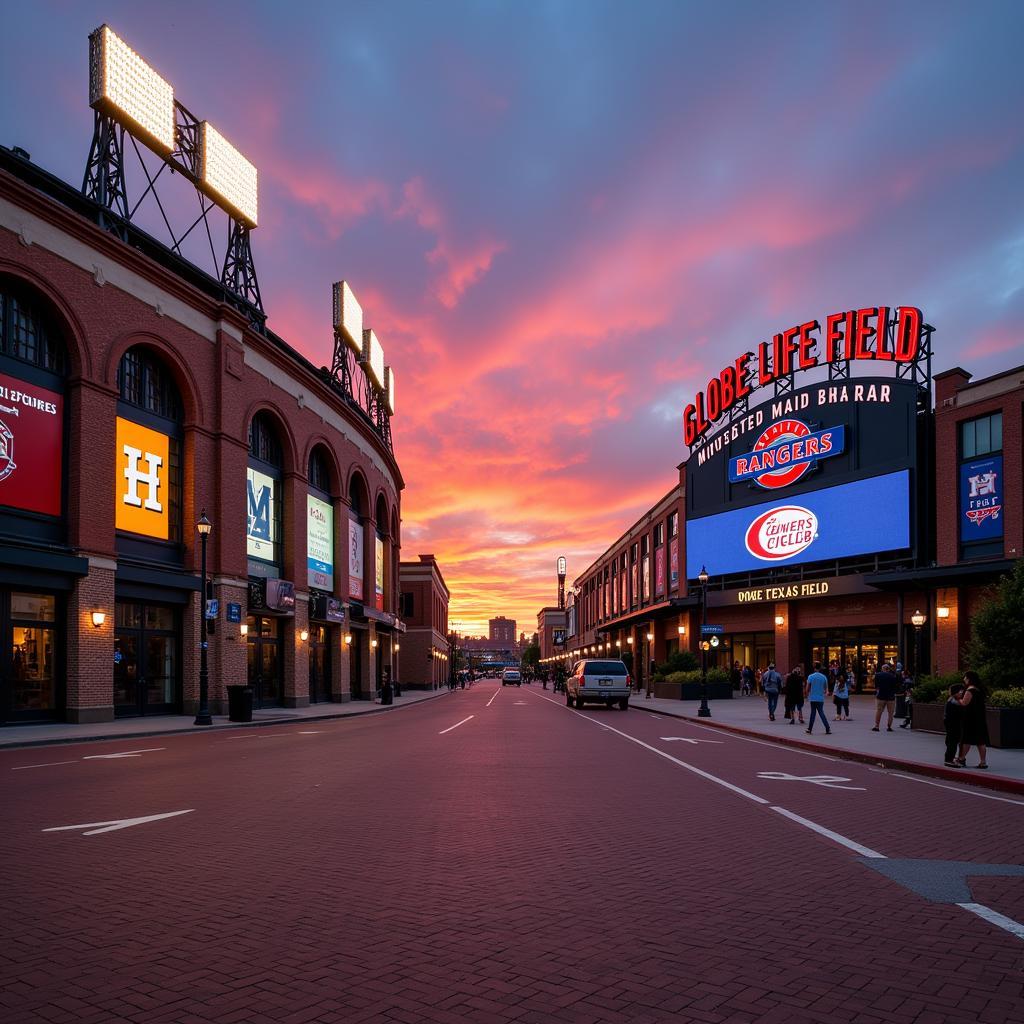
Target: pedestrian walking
953, 720
841, 697
886, 685
747, 684
814, 690
975, 724
795, 694
736, 677
771, 684
908, 699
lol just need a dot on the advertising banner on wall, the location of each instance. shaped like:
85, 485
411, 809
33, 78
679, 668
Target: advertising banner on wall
863, 517
378, 573
31, 446
262, 493
355, 559
981, 499
659, 571
635, 581
142, 478
319, 543
673, 575
647, 577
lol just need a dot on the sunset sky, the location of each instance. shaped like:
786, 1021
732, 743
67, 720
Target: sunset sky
560, 217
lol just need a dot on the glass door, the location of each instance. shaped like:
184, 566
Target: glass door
147, 672
319, 665
264, 664
29, 683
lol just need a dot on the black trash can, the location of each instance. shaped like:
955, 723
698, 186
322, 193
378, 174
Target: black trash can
240, 703
386, 695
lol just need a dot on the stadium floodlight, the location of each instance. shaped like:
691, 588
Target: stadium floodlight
348, 316
389, 381
124, 87
373, 357
226, 176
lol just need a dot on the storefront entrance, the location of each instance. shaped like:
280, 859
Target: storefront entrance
754, 649
29, 688
264, 668
319, 664
147, 661
862, 650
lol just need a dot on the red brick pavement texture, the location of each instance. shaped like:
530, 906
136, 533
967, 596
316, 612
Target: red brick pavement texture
526, 867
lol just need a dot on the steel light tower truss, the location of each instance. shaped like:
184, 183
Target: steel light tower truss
104, 183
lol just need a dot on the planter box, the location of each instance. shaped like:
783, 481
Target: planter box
1005, 725
691, 691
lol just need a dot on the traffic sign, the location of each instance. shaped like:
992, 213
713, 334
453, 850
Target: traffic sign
709, 630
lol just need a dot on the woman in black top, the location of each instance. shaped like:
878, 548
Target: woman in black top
795, 694
975, 725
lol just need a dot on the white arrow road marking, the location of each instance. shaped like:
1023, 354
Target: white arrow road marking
310, 732
828, 781
455, 726
686, 739
122, 753
48, 764
97, 827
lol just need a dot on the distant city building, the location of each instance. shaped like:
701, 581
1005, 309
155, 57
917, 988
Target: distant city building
502, 630
551, 627
424, 609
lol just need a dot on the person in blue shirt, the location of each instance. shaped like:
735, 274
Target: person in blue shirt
814, 690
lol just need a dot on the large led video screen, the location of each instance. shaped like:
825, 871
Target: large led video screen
859, 518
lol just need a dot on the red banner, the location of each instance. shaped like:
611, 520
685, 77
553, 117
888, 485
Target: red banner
31, 446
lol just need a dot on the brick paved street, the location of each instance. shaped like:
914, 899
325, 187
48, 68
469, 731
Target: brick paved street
533, 864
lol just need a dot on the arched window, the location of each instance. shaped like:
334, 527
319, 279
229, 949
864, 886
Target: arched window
264, 492
319, 471
150, 418
27, 330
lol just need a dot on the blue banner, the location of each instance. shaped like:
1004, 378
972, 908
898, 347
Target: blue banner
981, 499
857, 518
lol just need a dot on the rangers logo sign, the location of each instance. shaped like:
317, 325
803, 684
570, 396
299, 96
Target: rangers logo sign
781, 533
786, 451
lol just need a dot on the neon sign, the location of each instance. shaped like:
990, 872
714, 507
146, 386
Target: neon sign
854, 334
785, 452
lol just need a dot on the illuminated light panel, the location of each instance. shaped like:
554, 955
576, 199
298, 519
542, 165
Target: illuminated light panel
389, 381
373, 357
227, 177
123, 86
348, 316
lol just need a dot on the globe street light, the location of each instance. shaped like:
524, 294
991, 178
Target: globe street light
918, 619
203, 717
703, 711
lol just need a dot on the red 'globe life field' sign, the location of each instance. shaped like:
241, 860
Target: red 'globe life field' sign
854, 334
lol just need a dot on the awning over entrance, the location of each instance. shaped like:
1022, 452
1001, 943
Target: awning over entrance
941, 575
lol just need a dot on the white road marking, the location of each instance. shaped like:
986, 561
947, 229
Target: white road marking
765, 743
491, 701
520, 703
48, 764
994, 917
98, 827
455, 726
943, 785
686, 739
668, 757
864, 851
310, 732
122, 753
828, 781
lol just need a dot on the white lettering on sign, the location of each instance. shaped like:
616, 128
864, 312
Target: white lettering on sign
783, 593
781, 533
135, 477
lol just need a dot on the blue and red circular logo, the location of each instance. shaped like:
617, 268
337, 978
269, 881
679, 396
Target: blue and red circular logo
784, 453
778, 434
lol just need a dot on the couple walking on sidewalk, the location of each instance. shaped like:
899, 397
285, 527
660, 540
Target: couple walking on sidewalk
814, 690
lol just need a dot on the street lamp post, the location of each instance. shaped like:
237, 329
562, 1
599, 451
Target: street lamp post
918, 619
204, 526
704, 711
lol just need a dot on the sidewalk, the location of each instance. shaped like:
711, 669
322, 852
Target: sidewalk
33, 735
918, 752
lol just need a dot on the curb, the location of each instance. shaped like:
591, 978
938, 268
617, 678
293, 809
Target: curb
997, 782
199, 730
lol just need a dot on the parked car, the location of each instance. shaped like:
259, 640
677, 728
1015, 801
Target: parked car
598, 682
511, 677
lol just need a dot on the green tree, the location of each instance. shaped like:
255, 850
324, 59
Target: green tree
531, 656
996, 649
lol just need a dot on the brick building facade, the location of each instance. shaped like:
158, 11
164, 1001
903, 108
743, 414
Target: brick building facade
424, 605
134, 397
635, 598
